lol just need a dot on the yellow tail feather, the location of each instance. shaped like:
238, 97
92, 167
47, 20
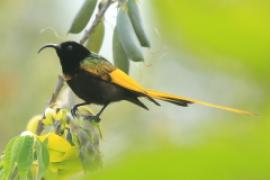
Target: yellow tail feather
165, 96
122, 79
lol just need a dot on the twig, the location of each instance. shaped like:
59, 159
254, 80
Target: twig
60, 81
56, 92
99, 16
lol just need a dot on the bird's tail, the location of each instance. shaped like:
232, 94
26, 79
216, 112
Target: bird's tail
183, 101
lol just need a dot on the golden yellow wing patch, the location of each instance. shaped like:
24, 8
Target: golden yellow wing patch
122, 79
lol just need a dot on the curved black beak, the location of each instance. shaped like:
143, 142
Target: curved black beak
55, 46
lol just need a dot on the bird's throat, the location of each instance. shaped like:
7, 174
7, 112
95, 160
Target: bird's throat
69, 67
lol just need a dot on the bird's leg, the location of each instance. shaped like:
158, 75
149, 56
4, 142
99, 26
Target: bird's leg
96, 117
102, 109
75, 107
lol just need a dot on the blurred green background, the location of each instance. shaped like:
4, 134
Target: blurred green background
213, 50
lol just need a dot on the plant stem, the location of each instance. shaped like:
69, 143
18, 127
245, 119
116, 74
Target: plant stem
98, 18
56, 92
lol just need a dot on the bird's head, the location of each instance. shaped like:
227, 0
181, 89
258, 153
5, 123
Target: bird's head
70, 54
69, 50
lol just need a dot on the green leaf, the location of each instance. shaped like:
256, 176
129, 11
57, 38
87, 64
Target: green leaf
127, 36
42, 154
119, 56
95, 40
25, 156
9, 159
83, 16
135, 18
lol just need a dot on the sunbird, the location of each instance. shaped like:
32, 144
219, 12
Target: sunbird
95, 80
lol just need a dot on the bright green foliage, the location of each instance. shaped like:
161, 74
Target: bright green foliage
196, 163
220, 33
8, 159
83, 16
20, 157
25, 153
42, 158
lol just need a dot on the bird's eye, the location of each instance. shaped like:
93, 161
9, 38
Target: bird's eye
69, 47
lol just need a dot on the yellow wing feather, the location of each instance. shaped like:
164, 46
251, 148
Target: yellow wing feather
122, 79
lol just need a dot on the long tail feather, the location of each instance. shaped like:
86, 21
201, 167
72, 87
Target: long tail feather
183, 101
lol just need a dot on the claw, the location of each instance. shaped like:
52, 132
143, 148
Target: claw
73, 111
92, 118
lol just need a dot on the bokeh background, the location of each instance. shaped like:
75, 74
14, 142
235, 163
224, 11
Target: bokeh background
212, 50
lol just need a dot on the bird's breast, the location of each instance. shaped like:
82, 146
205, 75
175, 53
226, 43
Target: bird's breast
93, 89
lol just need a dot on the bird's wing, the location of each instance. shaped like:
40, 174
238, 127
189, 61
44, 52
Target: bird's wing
100, 67
122, 79
97, 66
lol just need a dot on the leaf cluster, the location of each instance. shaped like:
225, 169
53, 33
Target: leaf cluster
128, 37
66, 146
25, 157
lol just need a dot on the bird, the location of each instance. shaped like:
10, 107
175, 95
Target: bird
97, 81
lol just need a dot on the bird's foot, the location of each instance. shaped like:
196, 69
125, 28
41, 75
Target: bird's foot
92, 118
73, 111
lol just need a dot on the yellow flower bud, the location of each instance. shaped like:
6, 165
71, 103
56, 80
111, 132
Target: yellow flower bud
33, 123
